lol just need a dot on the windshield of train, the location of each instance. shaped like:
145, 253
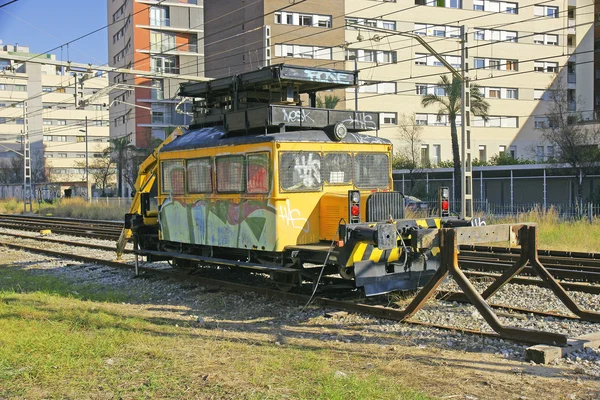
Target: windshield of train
307, 171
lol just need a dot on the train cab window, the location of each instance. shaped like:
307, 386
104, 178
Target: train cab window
199, 175
337, 168
300, 171
172, 177
371, 170
258, 173
230, 174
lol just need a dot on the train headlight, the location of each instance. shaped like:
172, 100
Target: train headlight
353, 206
444, 201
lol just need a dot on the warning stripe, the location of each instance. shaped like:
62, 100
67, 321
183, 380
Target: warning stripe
364, 252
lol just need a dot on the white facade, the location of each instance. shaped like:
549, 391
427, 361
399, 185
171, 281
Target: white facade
56, 127
517, 50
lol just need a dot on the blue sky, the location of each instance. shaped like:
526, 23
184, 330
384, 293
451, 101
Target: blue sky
45, 24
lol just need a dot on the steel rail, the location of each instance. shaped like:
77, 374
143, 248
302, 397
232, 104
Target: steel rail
483, 260
65, 242
91, 222
371, 310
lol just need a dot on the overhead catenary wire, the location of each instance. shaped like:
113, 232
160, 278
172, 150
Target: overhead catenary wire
445, 38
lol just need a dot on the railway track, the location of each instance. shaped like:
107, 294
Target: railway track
575, 269
354, 305
107, 230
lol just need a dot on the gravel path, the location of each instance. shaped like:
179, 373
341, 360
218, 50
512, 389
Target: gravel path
195, 304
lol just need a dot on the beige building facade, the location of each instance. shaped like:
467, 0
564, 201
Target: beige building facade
517, 49
48, 99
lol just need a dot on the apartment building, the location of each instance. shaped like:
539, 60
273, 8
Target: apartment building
517, 49
165, 37
45, 96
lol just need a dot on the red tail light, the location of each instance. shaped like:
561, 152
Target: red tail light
445, 205
355, 210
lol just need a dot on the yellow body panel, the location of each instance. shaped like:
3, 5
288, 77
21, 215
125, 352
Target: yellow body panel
269, 221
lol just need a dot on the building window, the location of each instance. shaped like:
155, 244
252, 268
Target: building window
164, 64
539, 94
424, 153
441, 3
388, 118
157, 89
545, 11
482, 153
540, 122
439, 91
421, 89
159, 16
314, 20
437, 154
545, 66
495, 6
494, 93
512, 93
300, 51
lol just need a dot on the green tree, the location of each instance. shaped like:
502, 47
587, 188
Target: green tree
409, 153
328, 102
122, 152
450, 105
575, 144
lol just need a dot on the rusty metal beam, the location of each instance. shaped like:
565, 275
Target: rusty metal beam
450, 241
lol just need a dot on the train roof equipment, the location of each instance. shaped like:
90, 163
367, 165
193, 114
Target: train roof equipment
269, 100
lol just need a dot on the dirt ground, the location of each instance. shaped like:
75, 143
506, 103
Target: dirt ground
418, 361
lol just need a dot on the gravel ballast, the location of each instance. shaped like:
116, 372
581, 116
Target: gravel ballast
204, 306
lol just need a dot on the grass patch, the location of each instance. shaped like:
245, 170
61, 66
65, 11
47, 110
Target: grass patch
65, 340
557, 234
79, 208
75, 207
11, 206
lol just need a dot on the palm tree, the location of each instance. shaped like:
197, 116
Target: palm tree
450, 105
329, 102
121, 149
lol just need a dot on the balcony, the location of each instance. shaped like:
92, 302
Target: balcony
571, 26
190, 48
161, 119
165, 70
160, 22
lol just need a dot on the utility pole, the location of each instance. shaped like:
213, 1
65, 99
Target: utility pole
357, 83
463, 76
466, 202
27, 192
87, 162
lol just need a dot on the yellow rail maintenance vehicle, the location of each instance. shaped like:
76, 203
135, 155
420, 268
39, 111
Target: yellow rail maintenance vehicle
263, 183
